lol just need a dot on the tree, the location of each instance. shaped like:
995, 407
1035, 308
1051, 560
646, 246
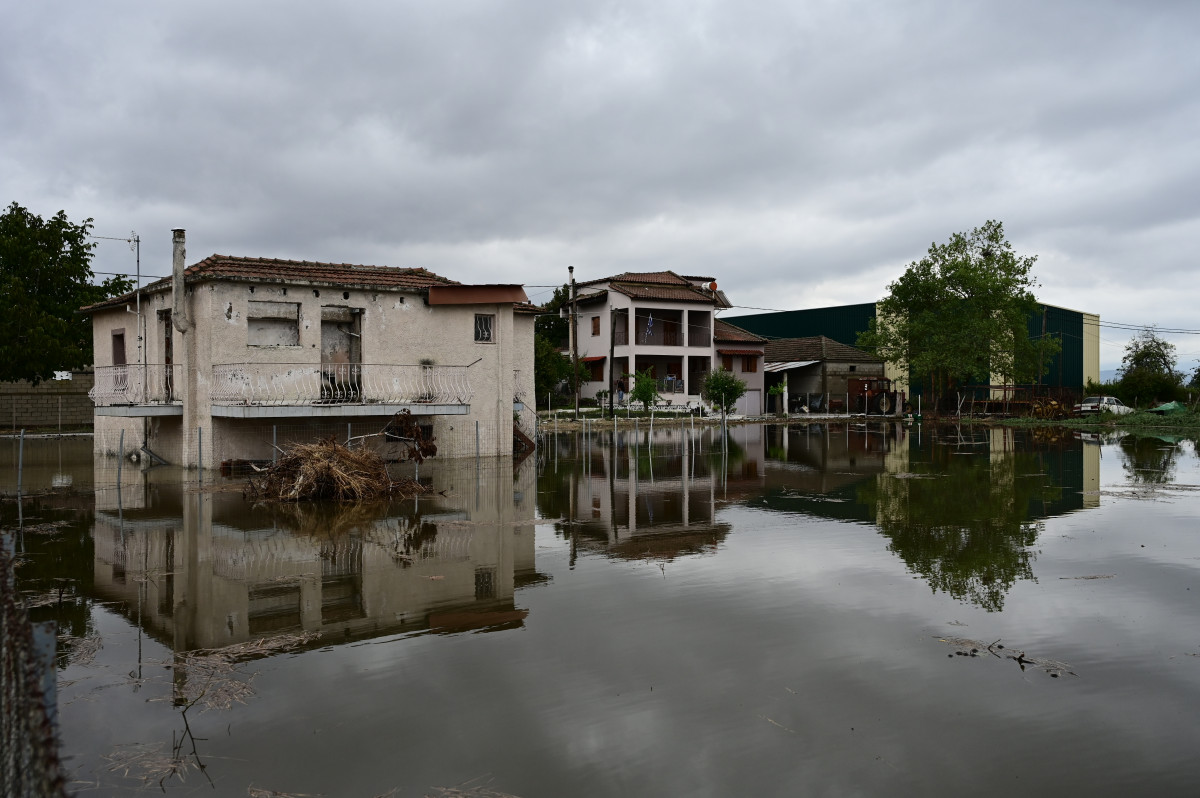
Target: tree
551, 331
551, 326
645, 389
1147, 371
961, 314
550, 367
45, 277
722, 389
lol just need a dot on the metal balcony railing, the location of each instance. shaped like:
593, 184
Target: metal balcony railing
518, 387
338, 383
136, 384
668, 385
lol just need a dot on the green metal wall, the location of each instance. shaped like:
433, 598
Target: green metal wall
842, 323
1066, 370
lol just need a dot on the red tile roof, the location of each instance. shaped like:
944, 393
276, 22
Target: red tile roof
292, 272
724, 331
816, 348
668, 293
658, 278
272, 270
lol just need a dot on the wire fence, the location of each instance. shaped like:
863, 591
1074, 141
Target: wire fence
258, 440
28, 742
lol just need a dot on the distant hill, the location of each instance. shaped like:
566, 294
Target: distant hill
1108, 375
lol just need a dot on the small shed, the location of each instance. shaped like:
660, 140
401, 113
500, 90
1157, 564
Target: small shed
817, 367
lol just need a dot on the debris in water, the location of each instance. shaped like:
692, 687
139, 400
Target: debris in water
329, 471
974, 648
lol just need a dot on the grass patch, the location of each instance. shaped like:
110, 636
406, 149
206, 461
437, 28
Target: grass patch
1138, 420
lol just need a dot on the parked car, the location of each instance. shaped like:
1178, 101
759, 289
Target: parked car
1102, 404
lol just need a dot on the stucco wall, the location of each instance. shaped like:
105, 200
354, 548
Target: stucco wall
396, 328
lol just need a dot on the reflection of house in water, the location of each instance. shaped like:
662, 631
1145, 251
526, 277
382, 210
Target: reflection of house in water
206, 570
811, 464
633, 496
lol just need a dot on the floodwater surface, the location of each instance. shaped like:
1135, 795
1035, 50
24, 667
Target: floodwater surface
823, 609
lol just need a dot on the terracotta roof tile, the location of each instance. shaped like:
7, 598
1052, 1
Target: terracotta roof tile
294, 272
302, 271
816, 348
724, 331
669, 293
657, 278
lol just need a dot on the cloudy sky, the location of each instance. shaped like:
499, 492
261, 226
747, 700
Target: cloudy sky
802, 152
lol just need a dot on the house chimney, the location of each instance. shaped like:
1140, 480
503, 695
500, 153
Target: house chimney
178, 314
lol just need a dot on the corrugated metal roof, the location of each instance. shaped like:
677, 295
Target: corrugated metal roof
791, 364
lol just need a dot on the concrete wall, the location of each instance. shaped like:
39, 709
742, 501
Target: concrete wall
396, 328
56, 404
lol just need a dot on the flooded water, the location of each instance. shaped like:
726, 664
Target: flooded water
807, 610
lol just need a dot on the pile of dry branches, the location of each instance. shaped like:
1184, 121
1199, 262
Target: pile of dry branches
328, 471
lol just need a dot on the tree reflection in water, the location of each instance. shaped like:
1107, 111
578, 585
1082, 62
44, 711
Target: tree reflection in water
965, 519
1149, 459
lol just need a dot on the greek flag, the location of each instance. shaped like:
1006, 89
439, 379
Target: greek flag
650, 325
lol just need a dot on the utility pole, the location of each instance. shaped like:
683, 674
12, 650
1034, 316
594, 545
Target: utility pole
574, 338
612, 341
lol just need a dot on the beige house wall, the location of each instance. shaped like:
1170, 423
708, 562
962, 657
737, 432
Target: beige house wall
1091, 348
396, 328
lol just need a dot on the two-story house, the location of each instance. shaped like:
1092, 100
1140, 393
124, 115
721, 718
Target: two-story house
664, 324
231, 356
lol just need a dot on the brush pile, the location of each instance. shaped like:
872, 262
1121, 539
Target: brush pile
329, 471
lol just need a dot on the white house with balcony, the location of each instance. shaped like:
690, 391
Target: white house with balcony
665, 324
210, 364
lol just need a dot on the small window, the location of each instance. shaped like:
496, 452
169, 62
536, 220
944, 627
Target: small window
854, 368
595, 325
596, 369
485, 583
727, 362
272, 324
484, 322
749, 363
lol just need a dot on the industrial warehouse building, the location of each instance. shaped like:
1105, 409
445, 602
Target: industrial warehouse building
1078, 362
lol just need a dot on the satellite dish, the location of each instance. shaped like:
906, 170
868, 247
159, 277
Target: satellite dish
712, 286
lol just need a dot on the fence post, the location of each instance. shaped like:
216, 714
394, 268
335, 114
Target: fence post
199, 450
120, 456
274, 442
20, 462
476, 443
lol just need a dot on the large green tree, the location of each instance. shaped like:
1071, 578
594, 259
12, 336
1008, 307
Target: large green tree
45, 277
1147, 372
961, 314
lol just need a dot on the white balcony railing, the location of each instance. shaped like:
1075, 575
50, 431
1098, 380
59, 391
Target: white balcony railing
338, 383
136, 384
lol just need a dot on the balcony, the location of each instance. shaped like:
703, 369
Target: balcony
259, 390
519, 396
137, 390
